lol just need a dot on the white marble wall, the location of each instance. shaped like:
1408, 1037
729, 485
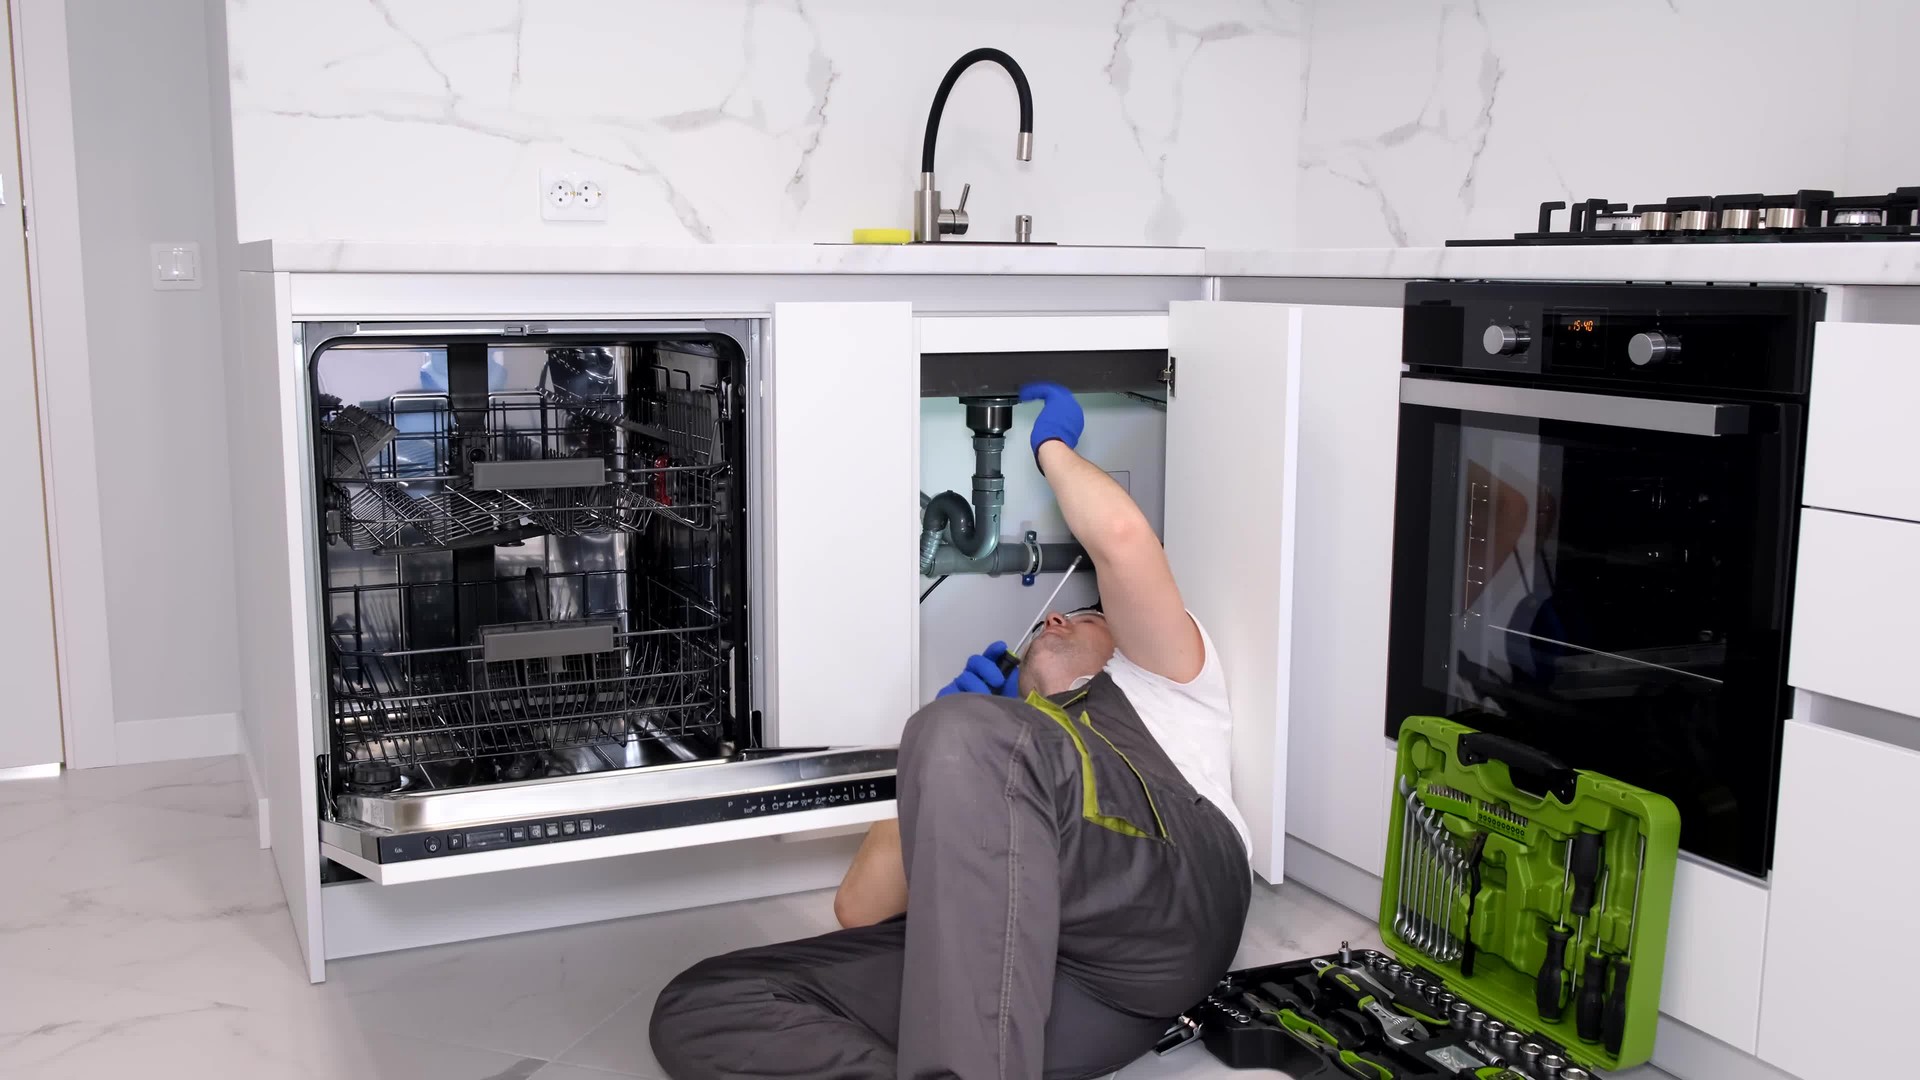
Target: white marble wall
1426, 121
745, 121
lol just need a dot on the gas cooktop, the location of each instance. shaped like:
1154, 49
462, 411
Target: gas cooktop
1804, 217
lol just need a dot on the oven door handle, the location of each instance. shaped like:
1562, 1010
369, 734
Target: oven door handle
1608, 410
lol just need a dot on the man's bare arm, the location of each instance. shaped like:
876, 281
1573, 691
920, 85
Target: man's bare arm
1137, 591
875, 888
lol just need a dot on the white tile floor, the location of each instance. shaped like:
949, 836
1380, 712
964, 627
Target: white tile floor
142, 933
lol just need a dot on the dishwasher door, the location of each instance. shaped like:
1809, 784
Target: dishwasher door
421, 836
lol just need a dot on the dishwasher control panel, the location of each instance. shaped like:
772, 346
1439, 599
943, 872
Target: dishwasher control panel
410, 847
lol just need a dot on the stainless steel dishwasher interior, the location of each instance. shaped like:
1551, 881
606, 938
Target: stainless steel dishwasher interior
534, 572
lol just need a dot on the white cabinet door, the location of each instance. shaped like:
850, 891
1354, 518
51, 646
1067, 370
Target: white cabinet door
1349, 361
1280, 460
1232, 425
1859, 420
1844, 873
843, 391
30, 727
275, 558
1854, 634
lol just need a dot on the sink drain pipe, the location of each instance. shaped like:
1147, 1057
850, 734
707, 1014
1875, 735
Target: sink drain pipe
948, 520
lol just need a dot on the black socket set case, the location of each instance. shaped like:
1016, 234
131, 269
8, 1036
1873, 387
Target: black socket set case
1496, 824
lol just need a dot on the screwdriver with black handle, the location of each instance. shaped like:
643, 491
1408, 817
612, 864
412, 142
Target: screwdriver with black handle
1583, 864
1011, 658
1593, 981
1550, 986
1613, 1021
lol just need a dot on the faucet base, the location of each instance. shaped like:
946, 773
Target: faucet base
926, 211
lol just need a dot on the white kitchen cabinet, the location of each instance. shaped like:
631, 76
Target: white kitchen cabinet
1232, 425
1279, 521
1715, 936
1844, 876
1854, 634
844, 390
1866, 377
30, 728
275, 558
1349, 361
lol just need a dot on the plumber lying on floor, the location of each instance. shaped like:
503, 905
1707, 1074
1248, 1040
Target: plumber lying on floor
1078, 873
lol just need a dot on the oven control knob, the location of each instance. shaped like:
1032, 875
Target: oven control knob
1652, 347
1502, 340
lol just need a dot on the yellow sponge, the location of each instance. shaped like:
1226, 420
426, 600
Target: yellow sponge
883, 236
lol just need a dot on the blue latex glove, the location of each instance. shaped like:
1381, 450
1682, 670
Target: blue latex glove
1060, 417
982, 675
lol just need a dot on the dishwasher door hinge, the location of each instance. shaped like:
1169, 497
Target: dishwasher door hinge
727, 392
1168, 373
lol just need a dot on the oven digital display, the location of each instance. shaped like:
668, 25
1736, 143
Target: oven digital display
1579, 340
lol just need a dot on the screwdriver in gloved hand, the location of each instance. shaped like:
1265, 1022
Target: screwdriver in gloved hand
1011, 658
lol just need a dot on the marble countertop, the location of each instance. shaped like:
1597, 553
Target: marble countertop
364, 257
1828, 264
1891, 263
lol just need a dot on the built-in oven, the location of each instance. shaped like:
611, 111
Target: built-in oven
1594, 532
536, 558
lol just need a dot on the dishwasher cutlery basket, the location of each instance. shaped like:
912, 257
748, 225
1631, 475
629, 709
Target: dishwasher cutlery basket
1498, 856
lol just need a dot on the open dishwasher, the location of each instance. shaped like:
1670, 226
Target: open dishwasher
537, 597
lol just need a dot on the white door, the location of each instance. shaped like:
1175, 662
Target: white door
1232, 429
844, 388
30, 724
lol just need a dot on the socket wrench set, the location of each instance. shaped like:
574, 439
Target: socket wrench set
1525, 905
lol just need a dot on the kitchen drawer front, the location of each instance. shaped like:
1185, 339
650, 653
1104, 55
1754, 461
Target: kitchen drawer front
1866, 377
1844, 873
1854, 634
1714, 942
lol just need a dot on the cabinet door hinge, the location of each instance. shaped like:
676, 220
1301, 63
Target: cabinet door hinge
1168, 373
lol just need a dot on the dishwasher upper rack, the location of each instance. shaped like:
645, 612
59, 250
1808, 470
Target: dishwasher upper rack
413, 692
416, 471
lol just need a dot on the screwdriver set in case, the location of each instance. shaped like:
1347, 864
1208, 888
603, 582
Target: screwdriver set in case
1525, 905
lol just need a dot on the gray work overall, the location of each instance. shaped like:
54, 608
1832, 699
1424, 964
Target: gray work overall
1070, 893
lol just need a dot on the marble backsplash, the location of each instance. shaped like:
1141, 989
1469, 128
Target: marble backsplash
1428, 121
753, 121
1223, 123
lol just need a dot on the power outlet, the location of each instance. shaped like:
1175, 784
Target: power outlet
572, 195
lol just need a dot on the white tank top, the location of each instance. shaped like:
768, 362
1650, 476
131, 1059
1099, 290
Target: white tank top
1191, 721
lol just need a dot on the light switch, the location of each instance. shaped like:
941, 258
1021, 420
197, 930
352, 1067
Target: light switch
175, 265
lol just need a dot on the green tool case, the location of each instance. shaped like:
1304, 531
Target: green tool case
1498, 859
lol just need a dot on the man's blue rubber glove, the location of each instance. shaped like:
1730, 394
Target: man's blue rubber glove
1060, 417
982, 675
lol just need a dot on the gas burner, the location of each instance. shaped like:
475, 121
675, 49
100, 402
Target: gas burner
1805, 216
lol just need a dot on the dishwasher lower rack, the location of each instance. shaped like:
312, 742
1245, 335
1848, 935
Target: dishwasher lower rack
445, 684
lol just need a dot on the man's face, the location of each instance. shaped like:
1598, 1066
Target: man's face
1066, 648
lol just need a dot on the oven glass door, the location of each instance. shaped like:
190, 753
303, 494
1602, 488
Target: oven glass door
1605, 578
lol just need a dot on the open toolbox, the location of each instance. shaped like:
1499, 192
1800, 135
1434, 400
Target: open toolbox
1525, 905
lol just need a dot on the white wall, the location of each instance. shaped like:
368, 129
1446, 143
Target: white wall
1162, 121
1427, 121
143, 149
